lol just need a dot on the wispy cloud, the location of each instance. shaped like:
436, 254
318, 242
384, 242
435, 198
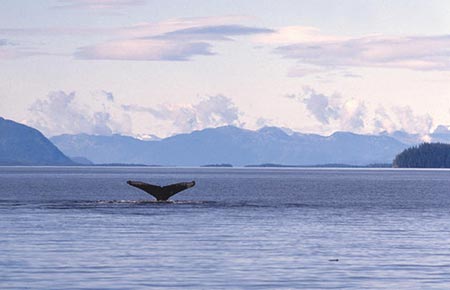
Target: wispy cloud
139, 30
142, 49
295, 34
306, 70
217, 32
321, 73
174, 40
408, 52
10, 50
152, 29
178, 39
59, 31
98, 4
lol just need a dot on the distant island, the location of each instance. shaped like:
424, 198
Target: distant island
218, 165
425, 155
332, 165
123, 165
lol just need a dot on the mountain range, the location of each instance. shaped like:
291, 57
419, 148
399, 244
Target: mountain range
23, 145
237, 146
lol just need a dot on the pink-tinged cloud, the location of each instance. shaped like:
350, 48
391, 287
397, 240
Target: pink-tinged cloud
295, 34
144, 50
98, 4
214, 32
149, 29
162, 42
415, 53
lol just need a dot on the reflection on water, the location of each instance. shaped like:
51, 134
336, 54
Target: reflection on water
84, 228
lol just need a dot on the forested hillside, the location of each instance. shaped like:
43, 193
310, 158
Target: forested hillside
426, 155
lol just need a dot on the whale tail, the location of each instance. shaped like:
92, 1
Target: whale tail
161, 193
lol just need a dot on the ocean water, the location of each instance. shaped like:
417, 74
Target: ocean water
85, 228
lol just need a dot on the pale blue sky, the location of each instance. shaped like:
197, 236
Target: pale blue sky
177, 66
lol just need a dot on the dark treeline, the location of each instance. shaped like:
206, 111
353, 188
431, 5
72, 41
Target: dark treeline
425, 155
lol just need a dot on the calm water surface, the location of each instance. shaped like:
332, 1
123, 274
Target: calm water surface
85, 228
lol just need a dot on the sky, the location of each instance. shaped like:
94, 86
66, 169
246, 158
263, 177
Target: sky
156, 68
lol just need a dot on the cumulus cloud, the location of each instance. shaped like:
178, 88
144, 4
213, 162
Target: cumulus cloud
402, 119
353, 115
66, 113
175, 40
213, 111
319, 106
263, 122
109, 96
98, 4
333, 111
61, 113
407, 52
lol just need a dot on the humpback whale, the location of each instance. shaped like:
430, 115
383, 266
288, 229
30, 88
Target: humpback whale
161, 193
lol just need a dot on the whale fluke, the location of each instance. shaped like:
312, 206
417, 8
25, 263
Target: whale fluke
161, 193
